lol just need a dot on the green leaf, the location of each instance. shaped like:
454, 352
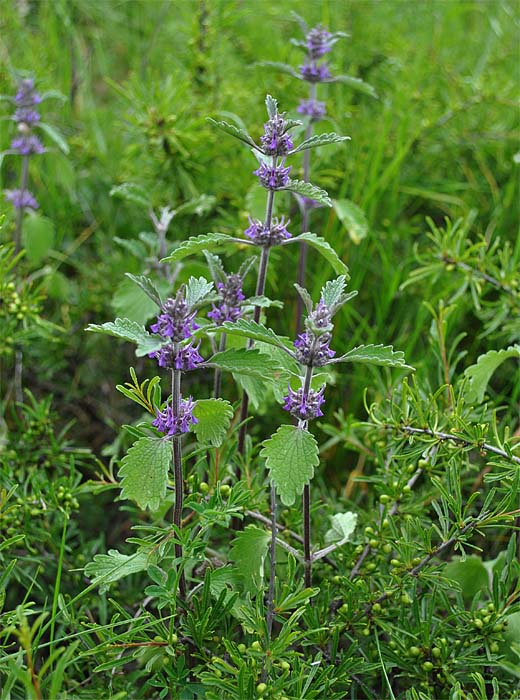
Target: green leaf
198, 205
305, 297
144, 472
469, 573
383, 355
319, 140
343, 526
197, 244
255, 387
147, 286
480, 373
245, 361
332, 291
55, 136
108, 568
352, 217
38, 237
355, 83
214, 417
216, 268
131, 192
321, 245
248, 552
254, 331
197, 290
281, 68
131, 302
272, 106
129, 330
290, 455
232, 130
306, 189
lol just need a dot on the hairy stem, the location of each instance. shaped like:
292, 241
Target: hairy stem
307, 503
178, 476
270, 596
24, 178
217, 383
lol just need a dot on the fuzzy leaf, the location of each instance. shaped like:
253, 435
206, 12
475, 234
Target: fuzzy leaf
131, 192
232, 130
147, 286
144, 472
319, 140
254, 331
355, 83
481, 372
306, 189
343, 526
305, 296
352, 217
216, 268
321, 245
214, 416
248, 553
129, 330
281, 67
332, 291
250, 362
290, 455
108, 568
271, 106
264, 302
197, 244
383, 355
197, 290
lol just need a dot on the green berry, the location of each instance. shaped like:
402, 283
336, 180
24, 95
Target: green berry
436, 652
261, 688
225, 490
387, 548
384, 498
203, 487
414, 651
494, 647
373, 543
376, 608
427, 666
256, 646
285, 666
242, 648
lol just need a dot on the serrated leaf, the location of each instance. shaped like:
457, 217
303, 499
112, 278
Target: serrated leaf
196, 244
271, 106
55, 136
332, 291
134, 247
232, 130
343, 526
255, 387
214, 417
307, 189
144, 472
108, 568
131, 192
281, 67
248, 553
147, 286
290, 455
305, 296
216, 268
352, 217
321, 245
481, 372
255, 331
197, 290
263, 302
383, 355
129, 330
319, 140
355, 83
245, 361
131, 302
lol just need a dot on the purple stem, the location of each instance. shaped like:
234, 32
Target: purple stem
177, 474
307, 558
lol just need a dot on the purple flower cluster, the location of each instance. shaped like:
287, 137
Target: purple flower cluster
268, 236
25, 100
21, 199
27, 145
273, 177
276, 141
312, 108
318, 42
313, 346
305, 406
231, 295
315, 72
185, 357
170, 424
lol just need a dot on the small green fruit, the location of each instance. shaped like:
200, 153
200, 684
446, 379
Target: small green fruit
203, 487
261, 688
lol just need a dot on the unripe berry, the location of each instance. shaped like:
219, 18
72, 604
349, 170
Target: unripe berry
414, 651
256, 646
285, 665
436, 652
203, 487
242, 648
261, 688
225, 490
427, 666
384, 498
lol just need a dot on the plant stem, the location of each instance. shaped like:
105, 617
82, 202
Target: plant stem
218, 372
307, 558
270, 597
178, 476
19, 218
57, 582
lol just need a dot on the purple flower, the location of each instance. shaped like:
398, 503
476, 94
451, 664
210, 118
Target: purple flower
170, 424
21, 199
275, 141
321, 317
184, 358
312, 108
26, 94
304, 407
273, 177
176, 320
231, 295
313, 350
26, 115
319, 42
315, 72
27, 145
263, 236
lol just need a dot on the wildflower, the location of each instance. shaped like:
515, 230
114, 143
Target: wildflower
21, 199
304, 406
176, 320
312, 108
231, 295
27, 144
321, 317
275, 141
26, 115
184, 358
268, 236
273, 177
170, 424
319, 41
27, 95
315, 72
313, 350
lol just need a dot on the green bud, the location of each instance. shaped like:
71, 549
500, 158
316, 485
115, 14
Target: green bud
256, 646
384, 498
203, 487
436, 652
261, 688
225, 490
427, 666
414, 651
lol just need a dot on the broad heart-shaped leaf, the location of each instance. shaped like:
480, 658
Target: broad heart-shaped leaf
197, 290
480, 373
132, 192
254, 331
306, 189
290, 455
332, 291
319, 140
214, 417
232, 130
250, 362
147, 286
355, 83
107, 568
197, 244
343, 526
129, 330
321, 245
144, 471
352, 217
383, 355
248, 553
